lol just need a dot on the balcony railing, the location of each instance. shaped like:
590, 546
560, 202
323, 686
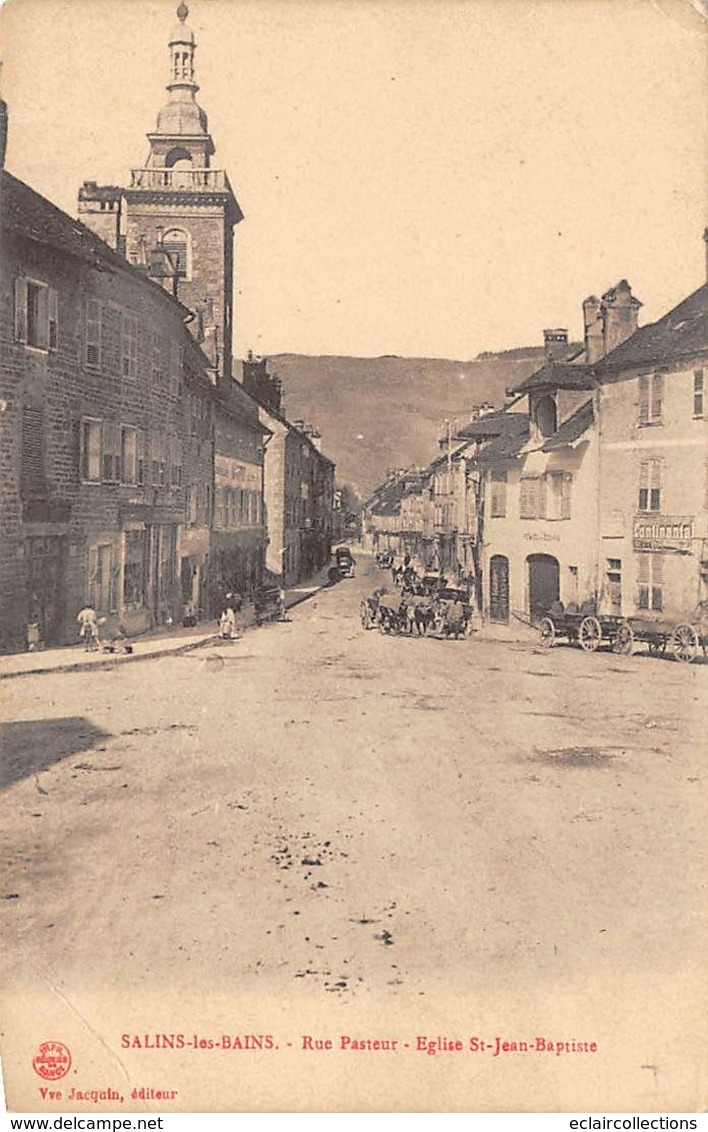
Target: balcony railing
180, 180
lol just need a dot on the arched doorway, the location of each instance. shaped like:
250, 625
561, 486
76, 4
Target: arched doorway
498, 588
544, 583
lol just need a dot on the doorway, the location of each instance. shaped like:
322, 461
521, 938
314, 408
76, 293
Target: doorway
498, 588
544, 584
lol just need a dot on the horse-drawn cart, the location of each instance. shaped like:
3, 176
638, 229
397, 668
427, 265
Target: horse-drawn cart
583, 626
684, 639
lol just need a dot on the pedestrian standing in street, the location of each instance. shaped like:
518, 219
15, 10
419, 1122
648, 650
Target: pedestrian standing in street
88, 627
227, 625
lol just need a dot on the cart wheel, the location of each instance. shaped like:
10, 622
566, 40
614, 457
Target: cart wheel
684, 643
624, 640
657, 646
590, 634
547, 633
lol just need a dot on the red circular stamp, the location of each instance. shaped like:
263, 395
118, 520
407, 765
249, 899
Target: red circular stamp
52, 1061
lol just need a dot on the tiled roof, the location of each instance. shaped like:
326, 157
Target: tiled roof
509, 443
389, 498
485, 428
558, 375
682, 333
32, 216
571, 429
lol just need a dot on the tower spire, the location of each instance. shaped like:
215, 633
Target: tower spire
182, 48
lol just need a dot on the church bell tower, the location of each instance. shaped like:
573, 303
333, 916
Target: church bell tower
176, 219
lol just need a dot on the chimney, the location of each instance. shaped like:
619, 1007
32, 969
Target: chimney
620, 311
487, 407
555, 342
593, 329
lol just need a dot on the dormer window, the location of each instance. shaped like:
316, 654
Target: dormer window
545, 417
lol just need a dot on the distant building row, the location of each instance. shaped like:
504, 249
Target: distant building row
590, 487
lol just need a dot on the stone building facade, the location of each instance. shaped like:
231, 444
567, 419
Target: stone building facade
94, 438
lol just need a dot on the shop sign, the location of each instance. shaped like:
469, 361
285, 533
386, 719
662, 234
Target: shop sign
663, 532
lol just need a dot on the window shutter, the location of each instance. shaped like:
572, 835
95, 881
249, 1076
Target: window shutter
541, 507
32, 466
53, 319
657, 396
114, 582
43, 318
566, 487
93, 334
142, 458
21, 309
644, 399
93, 579
655, 471
658, 569
644, 485
527, 499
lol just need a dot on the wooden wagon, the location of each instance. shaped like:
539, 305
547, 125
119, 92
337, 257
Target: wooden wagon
683, 638
582, 625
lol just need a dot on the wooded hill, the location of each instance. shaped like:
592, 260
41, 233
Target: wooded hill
378, 413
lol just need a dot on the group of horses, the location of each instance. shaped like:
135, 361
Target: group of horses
414, 608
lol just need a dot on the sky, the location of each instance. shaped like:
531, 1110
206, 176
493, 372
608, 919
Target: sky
418, 177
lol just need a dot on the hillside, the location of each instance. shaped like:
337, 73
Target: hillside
376, 413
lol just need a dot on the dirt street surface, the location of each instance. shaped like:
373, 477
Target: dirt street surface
321, 825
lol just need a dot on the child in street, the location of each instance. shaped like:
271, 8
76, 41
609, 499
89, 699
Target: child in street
88, 627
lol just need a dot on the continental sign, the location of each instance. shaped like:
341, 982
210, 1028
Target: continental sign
662, 532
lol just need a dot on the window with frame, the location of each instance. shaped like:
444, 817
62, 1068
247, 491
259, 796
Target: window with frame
613, 577
651, 398
497, 506
110, 453
650, 582
91, 430
36, 314
698, 391
129, 345
92, 334
532, 498
158, 452
559, 486
158, 360
650, 484
129, 454
142, 459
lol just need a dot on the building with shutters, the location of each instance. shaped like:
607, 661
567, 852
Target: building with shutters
653, 467
96, 463
298, 485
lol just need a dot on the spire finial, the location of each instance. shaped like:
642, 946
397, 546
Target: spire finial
182, 12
